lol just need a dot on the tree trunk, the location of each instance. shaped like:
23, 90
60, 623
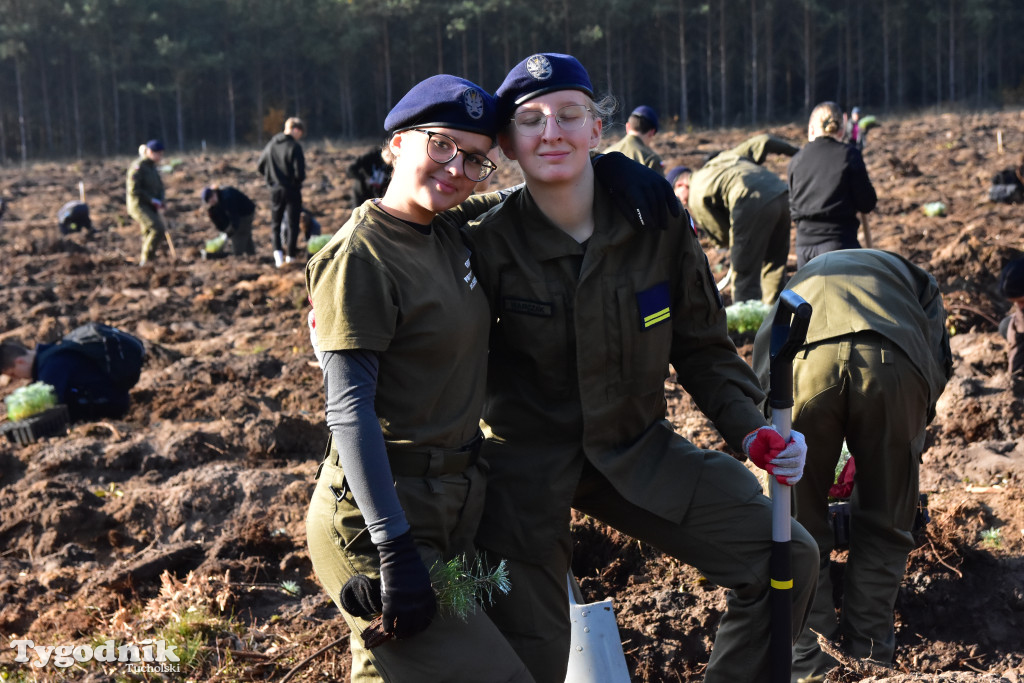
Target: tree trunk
938, 60
663, 63
808, 57
885, 52
179, 112
232, 126
709, 64
769, 62
116, 100
860, 52
76, 109
684, 104
952, 53
722, 69
753, 62
848, 71
22, 129
101, 113
386, 46
47, 122
439, 38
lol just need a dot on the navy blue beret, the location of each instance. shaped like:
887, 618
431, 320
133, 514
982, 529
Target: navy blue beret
155, 145
673, 175
537, 75
646, 112
1011, 280
447, 102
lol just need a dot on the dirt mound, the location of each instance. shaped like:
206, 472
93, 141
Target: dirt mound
185, 520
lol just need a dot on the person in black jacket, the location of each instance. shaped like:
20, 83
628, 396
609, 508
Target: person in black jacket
231, 212
828, 187
283, 166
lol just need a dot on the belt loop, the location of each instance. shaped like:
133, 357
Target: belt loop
844, 350
435, 466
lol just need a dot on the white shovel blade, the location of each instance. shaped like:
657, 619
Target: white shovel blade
595, 653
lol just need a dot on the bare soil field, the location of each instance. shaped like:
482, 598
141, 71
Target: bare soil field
185, 520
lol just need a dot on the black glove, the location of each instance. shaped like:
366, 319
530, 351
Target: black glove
360, 596
407, 598
640, 193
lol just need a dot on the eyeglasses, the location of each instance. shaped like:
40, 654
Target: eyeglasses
533, 122
442, 149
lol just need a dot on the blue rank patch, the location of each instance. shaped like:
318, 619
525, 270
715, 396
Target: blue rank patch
653, 304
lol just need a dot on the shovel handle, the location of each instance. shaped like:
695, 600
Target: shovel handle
789, 331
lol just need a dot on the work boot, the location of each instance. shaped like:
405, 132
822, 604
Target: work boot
278, 258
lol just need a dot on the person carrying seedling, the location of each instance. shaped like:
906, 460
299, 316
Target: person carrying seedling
232, 213
92, 369
875, 360
145, 198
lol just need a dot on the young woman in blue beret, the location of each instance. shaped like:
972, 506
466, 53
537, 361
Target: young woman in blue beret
589, 314
400, 330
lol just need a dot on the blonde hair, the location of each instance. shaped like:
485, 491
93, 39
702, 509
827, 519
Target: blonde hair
826, 119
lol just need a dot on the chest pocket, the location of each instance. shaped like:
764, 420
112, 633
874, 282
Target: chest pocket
534, 330
645, 329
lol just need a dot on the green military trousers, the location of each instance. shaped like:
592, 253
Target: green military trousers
152, 227
759, 251
725, 534
863, 388
444, 512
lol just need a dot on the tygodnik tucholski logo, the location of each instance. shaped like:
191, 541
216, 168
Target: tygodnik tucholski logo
151, 656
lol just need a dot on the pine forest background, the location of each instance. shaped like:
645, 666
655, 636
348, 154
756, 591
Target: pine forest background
97, 77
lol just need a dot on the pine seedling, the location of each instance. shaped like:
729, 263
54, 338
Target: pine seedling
461, 584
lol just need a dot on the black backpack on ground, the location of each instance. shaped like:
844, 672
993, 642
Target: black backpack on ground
117, 353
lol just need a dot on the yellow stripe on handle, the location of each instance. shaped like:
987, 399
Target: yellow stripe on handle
654, 318
782, 585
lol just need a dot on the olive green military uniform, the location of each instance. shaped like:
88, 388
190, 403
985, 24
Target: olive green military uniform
745, 207
876, 360
576, 417
381, 285
143, 186
633, 146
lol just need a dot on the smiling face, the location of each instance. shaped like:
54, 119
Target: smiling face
420, 187
555, 155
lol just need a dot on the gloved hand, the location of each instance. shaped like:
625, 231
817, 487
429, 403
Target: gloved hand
784, 460
408, 600
360, 596
640, 193
844, 483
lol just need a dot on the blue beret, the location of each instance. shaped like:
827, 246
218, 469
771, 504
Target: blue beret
673, 175
537, 75
646, 112
155, 145
447, 102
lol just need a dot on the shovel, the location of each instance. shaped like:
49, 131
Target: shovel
789, 330
595, 650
